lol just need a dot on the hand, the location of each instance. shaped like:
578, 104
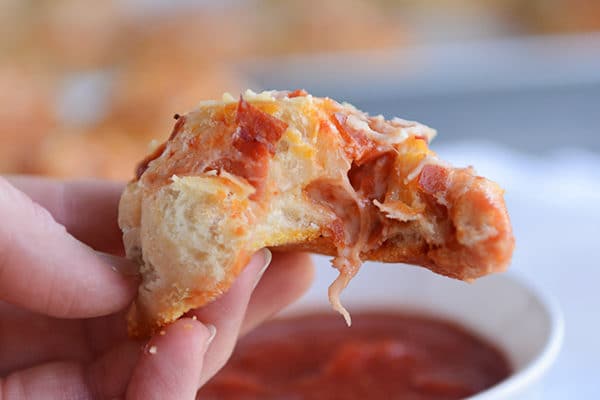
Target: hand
64, 289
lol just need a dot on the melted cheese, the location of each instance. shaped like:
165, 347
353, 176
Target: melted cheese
412, 128
429, 159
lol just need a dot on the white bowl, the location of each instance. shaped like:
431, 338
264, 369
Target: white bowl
525, 324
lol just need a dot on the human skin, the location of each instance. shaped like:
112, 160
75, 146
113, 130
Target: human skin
65, 288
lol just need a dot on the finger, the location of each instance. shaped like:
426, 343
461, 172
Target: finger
57, 380
109, 375
171, 364
88, 209
28, 338
288, 277
45, 269
227, 314
106, 378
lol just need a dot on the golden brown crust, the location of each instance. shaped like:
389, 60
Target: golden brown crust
294, 172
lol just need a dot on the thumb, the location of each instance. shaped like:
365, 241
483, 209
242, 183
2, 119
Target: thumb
45, 269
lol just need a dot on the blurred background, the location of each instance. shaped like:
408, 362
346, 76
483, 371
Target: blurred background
85, 83
512, 86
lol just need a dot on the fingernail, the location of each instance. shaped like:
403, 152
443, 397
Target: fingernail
121, 265
267, 256
212, 332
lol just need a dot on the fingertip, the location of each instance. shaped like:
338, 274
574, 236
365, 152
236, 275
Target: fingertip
186, 335
186, 331
262, 258
116, 285
258, 262
121, 265
171, 362
293, 270
289, 277
36, 251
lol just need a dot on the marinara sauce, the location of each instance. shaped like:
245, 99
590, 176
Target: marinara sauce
382, 356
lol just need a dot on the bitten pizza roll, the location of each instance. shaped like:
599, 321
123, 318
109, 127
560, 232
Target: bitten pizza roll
290, 171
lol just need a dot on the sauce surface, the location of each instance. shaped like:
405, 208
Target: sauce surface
382, 356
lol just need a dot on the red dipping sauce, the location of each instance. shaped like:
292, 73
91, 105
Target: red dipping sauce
382, 356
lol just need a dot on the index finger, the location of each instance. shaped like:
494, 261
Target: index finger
87, 208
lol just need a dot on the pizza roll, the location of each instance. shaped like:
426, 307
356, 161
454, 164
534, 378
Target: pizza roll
290, 171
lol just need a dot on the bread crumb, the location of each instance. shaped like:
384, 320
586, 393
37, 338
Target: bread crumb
162, 333
194, 318
152, 350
